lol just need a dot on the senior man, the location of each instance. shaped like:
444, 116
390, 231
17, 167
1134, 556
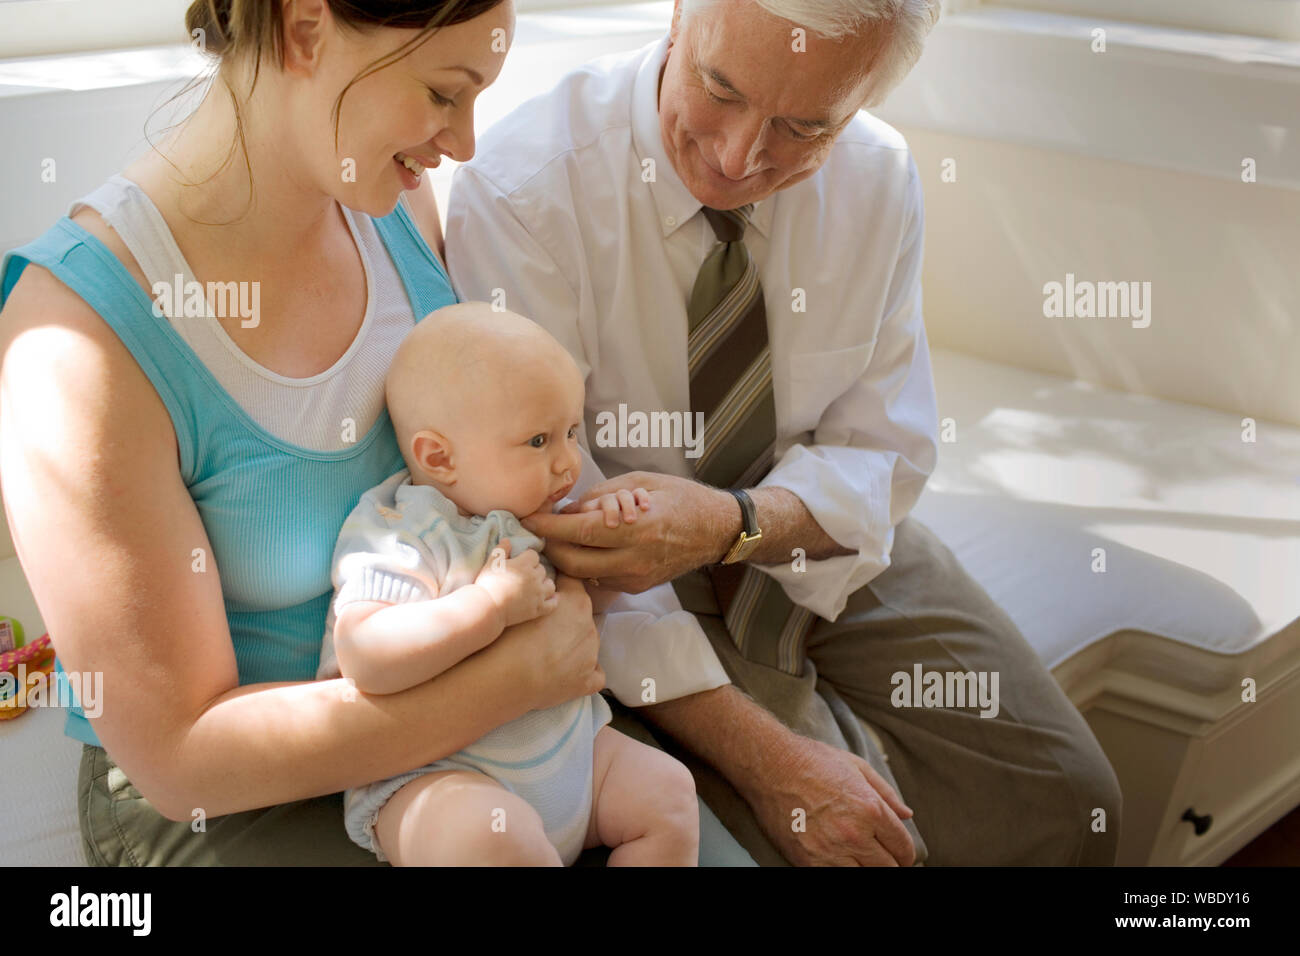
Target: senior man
711, 227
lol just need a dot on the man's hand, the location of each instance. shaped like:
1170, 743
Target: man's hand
681, 529
851, 813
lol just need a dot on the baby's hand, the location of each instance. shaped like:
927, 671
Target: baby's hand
518, 585
623, 501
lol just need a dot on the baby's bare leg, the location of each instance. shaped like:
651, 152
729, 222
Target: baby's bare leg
461, 818
643, 804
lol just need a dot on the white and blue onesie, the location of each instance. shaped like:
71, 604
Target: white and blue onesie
407, 542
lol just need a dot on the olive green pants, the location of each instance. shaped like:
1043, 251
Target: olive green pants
119, 827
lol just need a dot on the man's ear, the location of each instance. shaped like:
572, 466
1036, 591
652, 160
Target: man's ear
431, 452
673, 27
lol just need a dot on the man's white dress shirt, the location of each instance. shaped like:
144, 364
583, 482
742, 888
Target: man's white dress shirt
572, 212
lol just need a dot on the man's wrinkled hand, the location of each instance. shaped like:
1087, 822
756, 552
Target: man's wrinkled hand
850, 813
677, 531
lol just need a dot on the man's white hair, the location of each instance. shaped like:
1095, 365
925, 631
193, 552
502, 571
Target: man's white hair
903, 26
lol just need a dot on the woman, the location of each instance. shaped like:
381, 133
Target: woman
197, 469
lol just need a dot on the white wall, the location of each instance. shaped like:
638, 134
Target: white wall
1121, 169
1221, 257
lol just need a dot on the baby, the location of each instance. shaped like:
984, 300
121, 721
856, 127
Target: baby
433, 564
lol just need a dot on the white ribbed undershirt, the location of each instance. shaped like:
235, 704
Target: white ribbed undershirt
309, 412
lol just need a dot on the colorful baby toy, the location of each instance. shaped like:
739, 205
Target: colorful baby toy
38, 657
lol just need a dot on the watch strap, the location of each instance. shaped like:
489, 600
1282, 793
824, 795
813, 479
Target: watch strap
748, 514
750, 534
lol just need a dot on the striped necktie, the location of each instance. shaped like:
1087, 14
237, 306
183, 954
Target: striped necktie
730, 367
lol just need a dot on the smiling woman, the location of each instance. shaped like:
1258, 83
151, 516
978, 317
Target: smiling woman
203, 466
246, 36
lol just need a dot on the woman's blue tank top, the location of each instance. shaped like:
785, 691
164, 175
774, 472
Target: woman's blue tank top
272, 510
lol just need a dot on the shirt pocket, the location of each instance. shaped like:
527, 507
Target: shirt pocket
818, 378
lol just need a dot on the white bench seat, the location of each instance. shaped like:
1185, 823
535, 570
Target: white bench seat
1201, 590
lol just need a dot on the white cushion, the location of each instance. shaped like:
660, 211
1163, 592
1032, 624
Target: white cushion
38, 790
1201, 530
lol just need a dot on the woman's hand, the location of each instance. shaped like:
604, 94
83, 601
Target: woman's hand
556, 654
601, 598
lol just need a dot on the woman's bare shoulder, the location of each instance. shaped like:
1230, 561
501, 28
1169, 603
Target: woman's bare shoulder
39, 296
91, 221
49, 333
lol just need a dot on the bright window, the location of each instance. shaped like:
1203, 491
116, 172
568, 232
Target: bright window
37, 27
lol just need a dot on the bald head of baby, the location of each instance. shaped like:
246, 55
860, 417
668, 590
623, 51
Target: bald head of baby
486, 406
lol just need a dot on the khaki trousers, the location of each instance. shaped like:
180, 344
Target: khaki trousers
1020, 788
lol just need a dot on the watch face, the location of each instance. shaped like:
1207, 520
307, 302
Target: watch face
737, 550
747, 546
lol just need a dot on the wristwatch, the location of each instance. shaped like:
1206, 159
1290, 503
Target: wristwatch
750, 534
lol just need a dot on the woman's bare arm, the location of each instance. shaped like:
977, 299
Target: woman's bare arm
105, 530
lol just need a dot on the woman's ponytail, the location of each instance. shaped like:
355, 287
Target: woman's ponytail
212, 19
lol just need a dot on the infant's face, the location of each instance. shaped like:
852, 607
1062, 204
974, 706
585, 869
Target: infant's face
516, 446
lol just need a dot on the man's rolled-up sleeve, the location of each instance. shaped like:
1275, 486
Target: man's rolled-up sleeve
651, 652
873, 448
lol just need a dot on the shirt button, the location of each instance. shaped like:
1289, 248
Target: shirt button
670, 220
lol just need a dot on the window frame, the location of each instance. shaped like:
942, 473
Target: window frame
1272, 19
31, 28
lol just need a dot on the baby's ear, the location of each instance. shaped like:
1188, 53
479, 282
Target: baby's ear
432, 452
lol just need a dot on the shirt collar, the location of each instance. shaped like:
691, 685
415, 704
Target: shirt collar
673, 201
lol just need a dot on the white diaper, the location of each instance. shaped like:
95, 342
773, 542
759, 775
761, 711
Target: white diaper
545, 757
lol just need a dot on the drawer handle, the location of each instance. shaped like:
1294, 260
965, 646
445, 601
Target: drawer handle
1199, 824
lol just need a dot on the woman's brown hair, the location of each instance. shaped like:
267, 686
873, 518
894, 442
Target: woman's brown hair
236, 30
